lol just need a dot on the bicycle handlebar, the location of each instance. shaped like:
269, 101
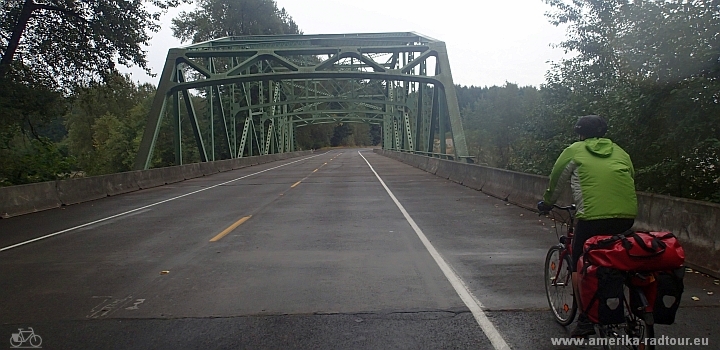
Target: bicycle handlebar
567, 208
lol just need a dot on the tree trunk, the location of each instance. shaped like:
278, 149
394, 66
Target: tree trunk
14, 42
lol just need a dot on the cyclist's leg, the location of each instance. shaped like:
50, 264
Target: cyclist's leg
577, 247
583, 231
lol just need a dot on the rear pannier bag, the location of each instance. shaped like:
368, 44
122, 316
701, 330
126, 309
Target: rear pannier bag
601, 294
669, 291
647, 284
635, 251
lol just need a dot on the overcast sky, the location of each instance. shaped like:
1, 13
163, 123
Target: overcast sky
489, 42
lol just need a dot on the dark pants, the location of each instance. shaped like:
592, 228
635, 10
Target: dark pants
585, 229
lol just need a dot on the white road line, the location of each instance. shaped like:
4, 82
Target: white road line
461, 289
148, 206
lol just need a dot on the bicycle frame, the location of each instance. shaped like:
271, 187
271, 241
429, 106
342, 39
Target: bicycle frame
565, 241
20, 336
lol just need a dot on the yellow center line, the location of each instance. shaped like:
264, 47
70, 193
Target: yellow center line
229, 229
318, 168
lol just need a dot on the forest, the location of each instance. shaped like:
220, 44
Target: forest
650, 67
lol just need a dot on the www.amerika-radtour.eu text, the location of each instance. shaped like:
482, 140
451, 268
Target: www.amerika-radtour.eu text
624, 341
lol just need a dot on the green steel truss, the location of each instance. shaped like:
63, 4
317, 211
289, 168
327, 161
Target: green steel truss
259, 89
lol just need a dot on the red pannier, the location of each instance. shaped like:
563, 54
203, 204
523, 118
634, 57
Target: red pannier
635, 251
601, 294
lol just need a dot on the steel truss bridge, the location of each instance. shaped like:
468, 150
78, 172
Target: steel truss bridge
247, 95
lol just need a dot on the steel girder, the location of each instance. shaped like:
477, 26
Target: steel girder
256, 90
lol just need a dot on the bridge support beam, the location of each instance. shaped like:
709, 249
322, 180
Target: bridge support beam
264, 87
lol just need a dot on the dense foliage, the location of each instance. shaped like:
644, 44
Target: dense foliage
75, 41
652, 68
50, 51
213, 19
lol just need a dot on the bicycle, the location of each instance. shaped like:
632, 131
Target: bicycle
29, 336
638, 326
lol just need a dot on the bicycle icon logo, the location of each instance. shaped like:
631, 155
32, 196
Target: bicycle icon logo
21, 337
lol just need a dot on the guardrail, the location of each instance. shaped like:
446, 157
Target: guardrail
695, 223
30, 198
466, 159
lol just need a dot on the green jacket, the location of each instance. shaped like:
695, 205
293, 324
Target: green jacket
601, 177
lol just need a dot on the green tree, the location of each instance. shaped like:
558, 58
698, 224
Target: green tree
29, 112
31, 159
105, 124
47, 49
76, 40
314, 136
214, 19
492, 122
651, 68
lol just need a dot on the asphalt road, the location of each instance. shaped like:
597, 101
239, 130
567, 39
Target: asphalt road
343, 249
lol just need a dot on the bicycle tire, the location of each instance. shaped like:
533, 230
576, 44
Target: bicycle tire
35, 341
634, 328
15, 344
649, 324
561, 297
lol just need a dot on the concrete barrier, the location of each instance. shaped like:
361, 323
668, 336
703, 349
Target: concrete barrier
120, 183
150, 178
422, 162
208, 168
191, 171
74, 191
274, 157
255, 160
432, 165
405, 158
443, 169
457, 172
172, 174
241, 163
25, 199
498, 183
224, 165
695, 223
476, 178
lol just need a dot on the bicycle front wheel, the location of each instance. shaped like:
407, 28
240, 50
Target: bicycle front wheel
558, 286
35, 341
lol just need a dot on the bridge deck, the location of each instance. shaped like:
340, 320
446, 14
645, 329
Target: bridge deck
325, 260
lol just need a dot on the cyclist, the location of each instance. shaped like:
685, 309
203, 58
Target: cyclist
601, 177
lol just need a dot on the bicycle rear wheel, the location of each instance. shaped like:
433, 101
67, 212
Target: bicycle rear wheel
558, 286
630, 335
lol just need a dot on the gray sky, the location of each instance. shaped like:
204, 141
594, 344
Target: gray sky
489, 41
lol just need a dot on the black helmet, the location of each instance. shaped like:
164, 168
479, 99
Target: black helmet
591, 126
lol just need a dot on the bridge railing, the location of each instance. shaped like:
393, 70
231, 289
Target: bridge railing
25, 199
464, 159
